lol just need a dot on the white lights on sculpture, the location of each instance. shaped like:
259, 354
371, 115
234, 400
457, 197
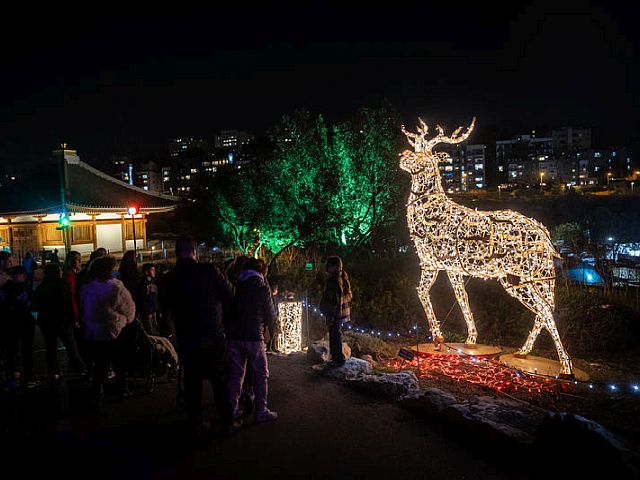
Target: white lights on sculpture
505, 245
290, 318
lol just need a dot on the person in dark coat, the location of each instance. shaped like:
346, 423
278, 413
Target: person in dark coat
147, 299
193, 293
20, 324
6, 263
128, 272
55, 322
255, 311
335, 306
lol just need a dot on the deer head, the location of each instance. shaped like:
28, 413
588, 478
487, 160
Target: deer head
423, 155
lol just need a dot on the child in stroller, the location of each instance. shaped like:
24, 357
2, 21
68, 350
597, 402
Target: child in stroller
149, 356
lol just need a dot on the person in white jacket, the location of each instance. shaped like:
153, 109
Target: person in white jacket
106, 307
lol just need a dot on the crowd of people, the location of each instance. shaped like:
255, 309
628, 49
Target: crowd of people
222, 323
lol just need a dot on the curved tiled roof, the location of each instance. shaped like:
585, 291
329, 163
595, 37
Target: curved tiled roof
87, 190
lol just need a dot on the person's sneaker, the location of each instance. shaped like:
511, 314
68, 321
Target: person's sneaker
31, 383
266, 416
111, 375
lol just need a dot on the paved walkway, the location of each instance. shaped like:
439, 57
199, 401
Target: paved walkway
325, 430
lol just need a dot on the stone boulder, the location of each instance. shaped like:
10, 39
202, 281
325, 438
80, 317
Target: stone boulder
318, 352
428, 402
588, 444
369, 359
482, 417
352, 368
387, 385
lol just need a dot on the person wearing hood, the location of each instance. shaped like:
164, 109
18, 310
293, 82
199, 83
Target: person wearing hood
255, 312
334, 305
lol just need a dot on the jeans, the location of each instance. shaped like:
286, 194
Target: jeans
335, 339
66, 334
105, 354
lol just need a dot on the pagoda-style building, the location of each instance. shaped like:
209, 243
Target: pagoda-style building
96, 204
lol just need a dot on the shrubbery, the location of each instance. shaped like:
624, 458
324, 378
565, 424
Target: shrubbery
590, 321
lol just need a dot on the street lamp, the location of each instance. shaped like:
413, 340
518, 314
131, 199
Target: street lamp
541, 175
609, 174
132, 212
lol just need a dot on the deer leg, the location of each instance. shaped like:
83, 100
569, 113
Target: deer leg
457, 283
531, 339
427, 279
539, 300
565, 361
528, 297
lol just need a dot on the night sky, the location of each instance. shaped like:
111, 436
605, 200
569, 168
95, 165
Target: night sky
128, 78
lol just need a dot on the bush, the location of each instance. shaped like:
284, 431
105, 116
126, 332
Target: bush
589, 321
367, 345
385, 298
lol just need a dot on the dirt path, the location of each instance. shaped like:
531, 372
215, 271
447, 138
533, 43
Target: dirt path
325, 430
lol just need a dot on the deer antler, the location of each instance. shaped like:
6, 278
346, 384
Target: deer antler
419, 142
455, 137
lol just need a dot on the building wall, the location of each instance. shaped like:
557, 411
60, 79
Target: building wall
86, 233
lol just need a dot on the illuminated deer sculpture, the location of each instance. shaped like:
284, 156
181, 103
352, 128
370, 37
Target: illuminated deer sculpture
505, 245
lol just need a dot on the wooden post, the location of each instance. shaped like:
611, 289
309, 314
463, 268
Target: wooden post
124, 233
94, 231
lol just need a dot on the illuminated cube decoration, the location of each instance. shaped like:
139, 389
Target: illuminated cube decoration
464, 242
290, 319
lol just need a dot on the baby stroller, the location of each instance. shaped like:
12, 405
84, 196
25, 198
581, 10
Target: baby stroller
149, 356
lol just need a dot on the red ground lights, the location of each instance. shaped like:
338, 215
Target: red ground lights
476, 370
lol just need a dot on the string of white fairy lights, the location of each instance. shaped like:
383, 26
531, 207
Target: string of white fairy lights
502, 245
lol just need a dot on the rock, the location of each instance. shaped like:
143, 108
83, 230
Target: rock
318, 352
566, 433
510, 412
369, 359
482, 417
483, 428
430, 401
352, 368
387, 385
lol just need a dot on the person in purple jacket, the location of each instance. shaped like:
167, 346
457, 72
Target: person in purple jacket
255, 311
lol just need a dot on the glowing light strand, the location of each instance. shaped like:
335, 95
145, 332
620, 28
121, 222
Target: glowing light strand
477, 371
290, 318
588, 386
503, 245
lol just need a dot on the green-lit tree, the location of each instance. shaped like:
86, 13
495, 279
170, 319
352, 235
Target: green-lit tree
235, 207
311, 187
297, 180
365, 151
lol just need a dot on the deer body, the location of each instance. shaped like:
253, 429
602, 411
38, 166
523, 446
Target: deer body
504, 245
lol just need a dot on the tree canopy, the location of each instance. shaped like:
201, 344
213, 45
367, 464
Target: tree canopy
313, 184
